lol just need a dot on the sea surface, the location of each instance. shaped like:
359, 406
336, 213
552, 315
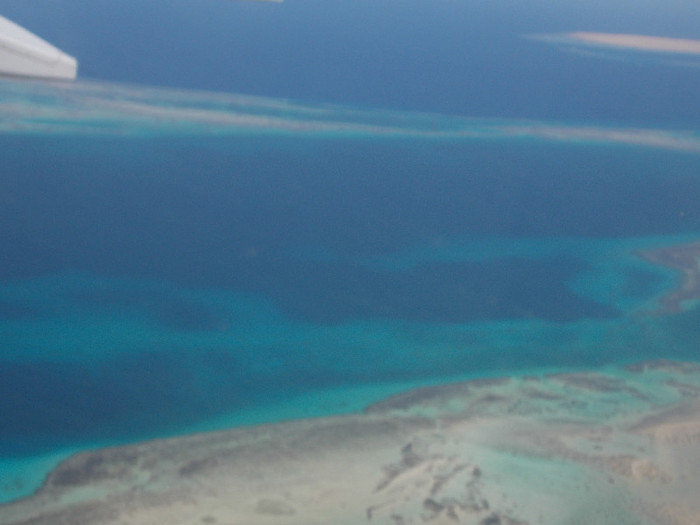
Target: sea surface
175, 260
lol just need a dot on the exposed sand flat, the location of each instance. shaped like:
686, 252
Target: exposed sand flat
614, 447
639, 42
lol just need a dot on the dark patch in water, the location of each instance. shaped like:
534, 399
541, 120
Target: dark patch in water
15, 311
130, 396
159, 306
42, 400
435, 292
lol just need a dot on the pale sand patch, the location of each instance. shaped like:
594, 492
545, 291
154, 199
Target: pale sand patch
639, 42
615, 447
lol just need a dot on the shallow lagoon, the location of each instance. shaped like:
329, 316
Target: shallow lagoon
175, 261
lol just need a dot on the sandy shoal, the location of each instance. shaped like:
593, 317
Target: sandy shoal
639, 42
619, 446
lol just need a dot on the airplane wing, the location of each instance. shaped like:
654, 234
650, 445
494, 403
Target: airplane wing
24, 54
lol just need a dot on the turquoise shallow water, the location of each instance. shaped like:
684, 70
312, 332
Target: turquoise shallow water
114, 372
178, 262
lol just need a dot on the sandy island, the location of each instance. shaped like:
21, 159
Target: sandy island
605, 448
685, 258
638, 42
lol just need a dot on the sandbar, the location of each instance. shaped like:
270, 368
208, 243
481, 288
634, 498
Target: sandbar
639, 42
607, 447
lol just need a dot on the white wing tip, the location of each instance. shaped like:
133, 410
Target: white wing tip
22, 53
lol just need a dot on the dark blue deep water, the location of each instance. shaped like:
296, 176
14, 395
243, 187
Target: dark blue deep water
295, 222
152, 282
